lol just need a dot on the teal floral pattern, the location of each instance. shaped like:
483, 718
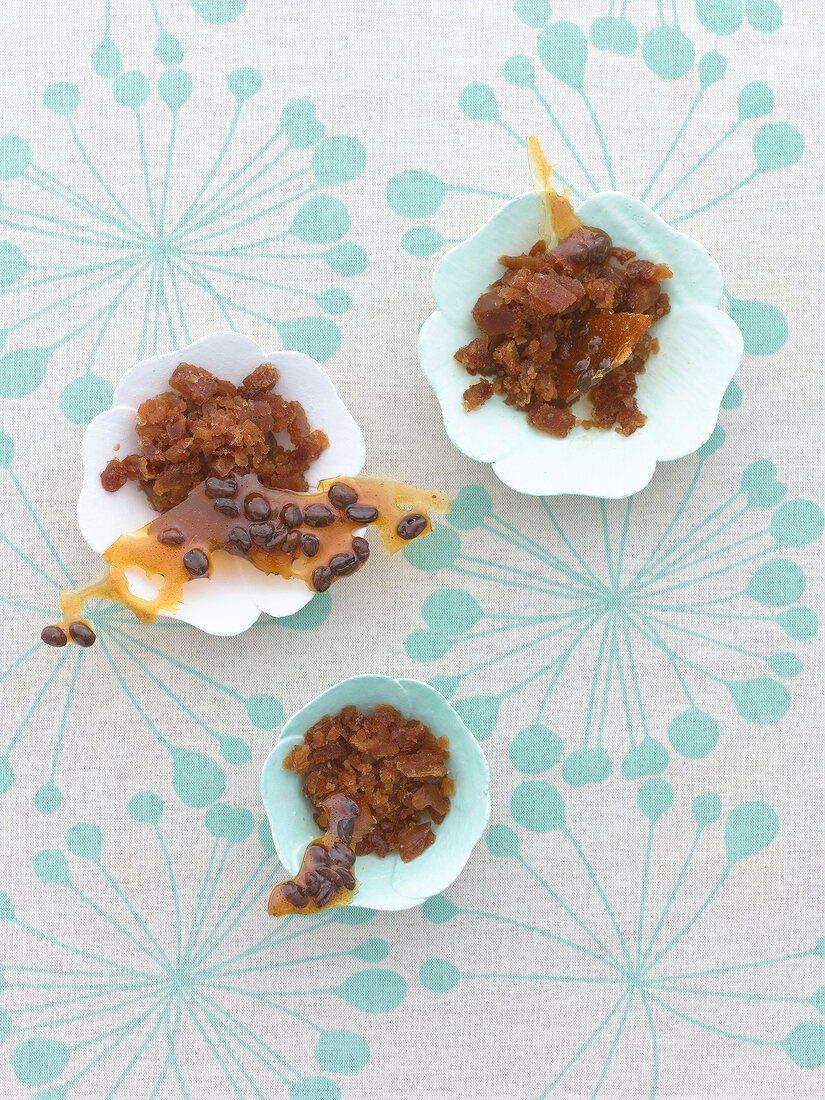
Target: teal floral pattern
84, 257
562, 50
589, 622
202, 991
624, 969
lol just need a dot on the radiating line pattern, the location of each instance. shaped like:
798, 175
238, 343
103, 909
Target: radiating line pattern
159, 682
142, 989
251, 238
622, 969
627, 618
562, 50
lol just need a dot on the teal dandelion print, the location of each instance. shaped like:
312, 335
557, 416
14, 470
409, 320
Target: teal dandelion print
704, 611
150, 669
85, 263
562, 58
632, 976
177, 982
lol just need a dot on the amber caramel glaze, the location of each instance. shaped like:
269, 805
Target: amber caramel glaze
204, 528
347, 823
604, 342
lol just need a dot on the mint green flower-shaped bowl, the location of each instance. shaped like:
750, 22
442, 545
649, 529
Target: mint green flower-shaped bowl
681, 391
385, 883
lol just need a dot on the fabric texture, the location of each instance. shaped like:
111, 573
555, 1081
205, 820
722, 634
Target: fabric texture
644, 916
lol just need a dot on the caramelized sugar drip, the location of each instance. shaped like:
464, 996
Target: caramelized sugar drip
325, 879
310, 536
391, 765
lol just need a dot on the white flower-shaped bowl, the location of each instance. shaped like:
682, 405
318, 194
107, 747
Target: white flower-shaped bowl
681, 391
236, 593
385, 883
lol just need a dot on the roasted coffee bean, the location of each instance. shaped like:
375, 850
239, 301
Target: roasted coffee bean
410, 527
342, 495
333, 876
239, 537
318, 515
361, 548
342, 565
291, 541
226, 507
54, 635
347, 879
318, 855
257, 507
82, 634
221, 487
341, 854
278, 537
362, 513
292, 515
309, 546
345, 829
196, 562
261, 533
312, 883
322, 578
171, 537
294, 894
324, 895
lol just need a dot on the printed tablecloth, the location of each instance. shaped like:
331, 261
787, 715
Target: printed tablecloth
644, 916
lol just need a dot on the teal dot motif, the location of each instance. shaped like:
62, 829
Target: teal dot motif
800, 623
198, 780
777, 145
314, 1088
85, 841
655, 798
338, 160
763, 326
479, 713
668, 52
373, 991
535, 13
145, 807
439, 910
63, 98
38, 1061
760, 700
174, 88
265, 712
106, 59
415, 194
805, 1045
321, 220
218, 11
131, 89
451, 610
693, 733
13, 264
502, 841
470, 508
706, 809
537, 806
478, 102
341, 1052
562, 49
22, 371
15, 157
438, 551
48, 798
777, 583
749, 829
721, 16
649, 757
168, 49
422, 240
427, 645
439, 976
86, 397
797, 523
311, 615
244, 83
535, 749
51, 866
609, 32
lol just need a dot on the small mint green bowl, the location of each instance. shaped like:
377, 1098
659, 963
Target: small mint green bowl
385, 883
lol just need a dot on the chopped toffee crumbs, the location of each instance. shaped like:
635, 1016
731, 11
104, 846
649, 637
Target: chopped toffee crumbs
208, 427
392, 766
563, 323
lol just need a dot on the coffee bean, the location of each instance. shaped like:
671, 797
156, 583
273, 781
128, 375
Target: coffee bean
342, 565
291, 541
341, 854
322, 578
257, 507
362, 513
196, 562
342, 495
239, 537
291, 515
82, 634
278, 538
345, 829
324, 895
54, 635
361, 548
319, 857
261, 533
294, 894
347, 879
410, 527
221, 487
312, 883
333, 876
226, 507
318, 515
309, 546
171, 537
